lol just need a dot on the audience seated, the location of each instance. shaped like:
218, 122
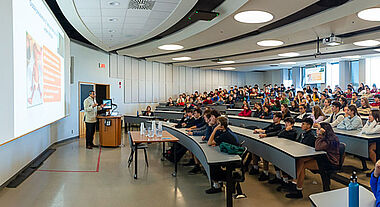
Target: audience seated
148, 111
317, 114
327, 108
352, 120
246, 111
365, 107
285, 111
337, 115
326, 141
377, 101
302, 115
372, 126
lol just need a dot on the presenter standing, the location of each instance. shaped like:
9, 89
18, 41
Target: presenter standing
91, 109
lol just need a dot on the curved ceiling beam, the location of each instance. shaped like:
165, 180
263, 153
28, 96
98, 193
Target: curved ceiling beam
304, 13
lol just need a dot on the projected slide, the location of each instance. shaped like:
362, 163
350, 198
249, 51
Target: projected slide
315, 75
39, 54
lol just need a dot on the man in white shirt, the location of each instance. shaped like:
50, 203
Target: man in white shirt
302, 115
337, 116
91, 109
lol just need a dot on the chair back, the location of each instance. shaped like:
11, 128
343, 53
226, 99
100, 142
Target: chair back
130, 140
342, 149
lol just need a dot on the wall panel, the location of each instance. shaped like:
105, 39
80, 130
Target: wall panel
120, 67
112, 65
156, 82
142, 80
127, 80
182, 79
162, 82
169, 81
176, 82
149, 81
202, 80
189, 80
196, 80
135, 80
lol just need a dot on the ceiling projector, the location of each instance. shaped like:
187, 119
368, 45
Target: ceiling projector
332, 40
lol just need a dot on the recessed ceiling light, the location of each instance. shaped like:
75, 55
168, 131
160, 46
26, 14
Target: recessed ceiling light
288, 63
170, 47
111, 31
352, 57
181, 58
114, 3
113, 19
270, 43
333, 43
228, 68
367, 43
253, 17
372, 14
226, 62
377, 50
289, 54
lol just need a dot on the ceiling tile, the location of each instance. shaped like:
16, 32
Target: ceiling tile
166, 7
113, 12
138, 13
87, 4
89, 12
123, 4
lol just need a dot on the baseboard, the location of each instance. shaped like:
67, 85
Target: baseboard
31, 162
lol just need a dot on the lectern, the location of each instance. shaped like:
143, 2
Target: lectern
109, 131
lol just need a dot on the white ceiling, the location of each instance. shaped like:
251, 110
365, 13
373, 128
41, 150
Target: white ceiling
338, 20
128, 24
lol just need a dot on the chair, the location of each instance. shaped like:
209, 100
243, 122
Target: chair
326, 174
238, 176
140, 146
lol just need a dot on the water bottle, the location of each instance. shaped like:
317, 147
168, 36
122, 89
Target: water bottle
137, 113
154, 129
142, 128
159, 129
353, 191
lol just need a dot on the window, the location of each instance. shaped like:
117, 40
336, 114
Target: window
332, 74
287, 74
354, 65
372, 71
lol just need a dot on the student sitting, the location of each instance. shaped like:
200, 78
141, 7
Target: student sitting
288, 133
377, 101
294, 106
327, 108
208, 100
148, 111
326, 141
272, 130
343, 102
197, 120
221, 133
284, 99
365, 106
337, 115
352, 121
170, 102
188, 117
355, 100
258, 110
276, 106
303, 114
188, 106
372, 127
230, 102
246, 111
267, 114
180, 101
285, 111
212, 123
375, 183
307, 137
200, 131
317, 114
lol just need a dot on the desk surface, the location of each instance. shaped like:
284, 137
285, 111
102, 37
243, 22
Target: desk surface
351, 133
292, 148
213, 154
339, 198
166, 137
169, 112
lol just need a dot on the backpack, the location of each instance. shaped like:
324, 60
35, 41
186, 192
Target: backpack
231, 149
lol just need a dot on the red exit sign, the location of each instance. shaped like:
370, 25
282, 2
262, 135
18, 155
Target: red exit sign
101, 65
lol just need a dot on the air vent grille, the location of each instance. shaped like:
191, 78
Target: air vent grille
141, 4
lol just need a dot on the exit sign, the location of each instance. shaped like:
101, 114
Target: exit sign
102, 66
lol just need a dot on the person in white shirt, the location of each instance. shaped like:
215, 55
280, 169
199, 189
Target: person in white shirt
303, 114
91, 109
352, 121
337, 115
372, 126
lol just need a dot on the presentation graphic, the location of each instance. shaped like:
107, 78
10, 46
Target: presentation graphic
33, 72
315, 75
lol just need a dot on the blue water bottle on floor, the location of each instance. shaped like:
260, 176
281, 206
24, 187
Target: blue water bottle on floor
353, 191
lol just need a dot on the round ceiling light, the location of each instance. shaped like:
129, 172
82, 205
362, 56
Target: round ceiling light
288, 63
170, 47
372, 14
253, 17
270, 43
226, 62
289, 54
114, 3
228, 68
367, 43
352, 57
111, 31
181, 58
